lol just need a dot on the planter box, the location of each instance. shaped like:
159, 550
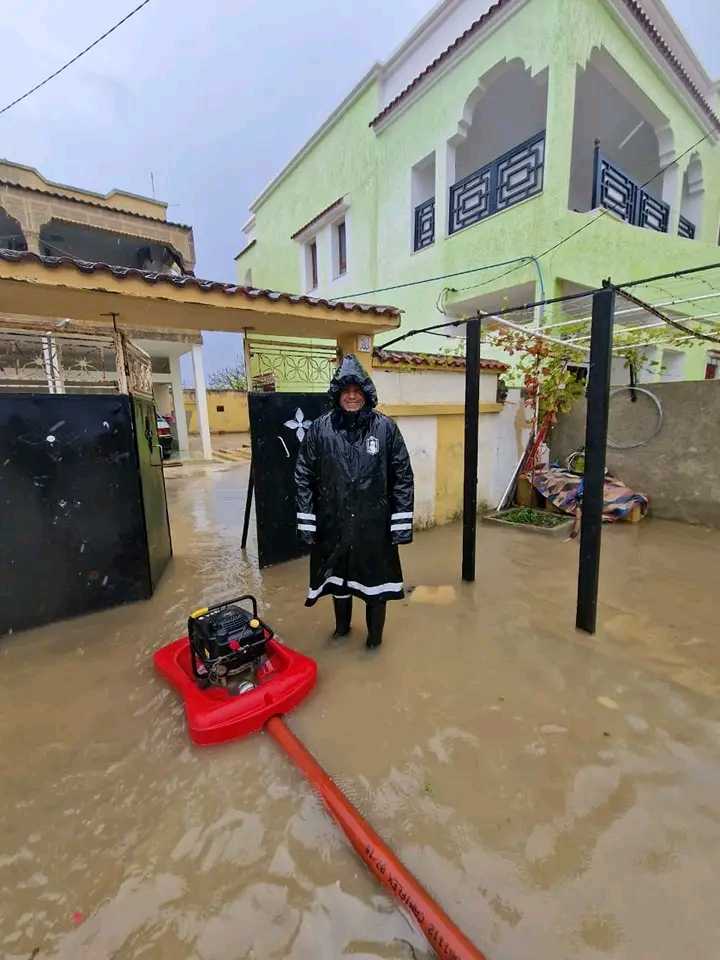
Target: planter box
562, 529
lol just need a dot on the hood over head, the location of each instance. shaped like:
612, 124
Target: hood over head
351, 371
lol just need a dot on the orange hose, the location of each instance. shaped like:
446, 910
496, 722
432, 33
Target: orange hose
443, 936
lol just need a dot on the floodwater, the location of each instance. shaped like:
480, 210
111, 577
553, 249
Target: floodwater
557, 794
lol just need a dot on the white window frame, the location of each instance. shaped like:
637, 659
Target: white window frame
307, 257
335, 247
323, 232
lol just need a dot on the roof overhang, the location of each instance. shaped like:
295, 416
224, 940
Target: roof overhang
33, 286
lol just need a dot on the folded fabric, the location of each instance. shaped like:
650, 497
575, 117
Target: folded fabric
564, 489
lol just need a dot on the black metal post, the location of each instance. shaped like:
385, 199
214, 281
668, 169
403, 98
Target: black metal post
596, 192
596, 429
470, 472
248, 505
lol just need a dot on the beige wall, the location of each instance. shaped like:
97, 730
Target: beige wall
33, 202
232, 419
119, 199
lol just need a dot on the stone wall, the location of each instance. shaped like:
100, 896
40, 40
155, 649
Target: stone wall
679, 469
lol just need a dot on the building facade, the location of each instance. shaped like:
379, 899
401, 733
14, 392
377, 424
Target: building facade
123, 230
492, 134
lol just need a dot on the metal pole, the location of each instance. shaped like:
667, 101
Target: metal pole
598, 403
472, 413
248, 505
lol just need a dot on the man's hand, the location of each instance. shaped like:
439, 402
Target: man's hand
307, 537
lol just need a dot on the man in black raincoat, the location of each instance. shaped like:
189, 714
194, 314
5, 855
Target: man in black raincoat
355, 502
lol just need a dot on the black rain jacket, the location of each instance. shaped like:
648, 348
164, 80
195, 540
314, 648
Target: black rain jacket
354, 496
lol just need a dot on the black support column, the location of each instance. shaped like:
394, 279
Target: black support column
598, 402
470, 473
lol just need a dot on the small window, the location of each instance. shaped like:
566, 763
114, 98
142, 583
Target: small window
220, 408
312, 265
341, 240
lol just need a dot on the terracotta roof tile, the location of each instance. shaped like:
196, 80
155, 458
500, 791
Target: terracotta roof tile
430, 361
335, 203
185, 280
633, 6
92, 203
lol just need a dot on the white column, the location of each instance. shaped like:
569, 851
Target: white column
201, 400
444, 179
179, 404
248, 361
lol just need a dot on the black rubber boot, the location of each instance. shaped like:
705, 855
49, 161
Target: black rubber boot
375, 619
343, 616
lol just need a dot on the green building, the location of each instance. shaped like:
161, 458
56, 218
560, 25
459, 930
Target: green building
492, 133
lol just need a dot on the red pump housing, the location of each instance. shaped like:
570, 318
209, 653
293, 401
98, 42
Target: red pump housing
215, 715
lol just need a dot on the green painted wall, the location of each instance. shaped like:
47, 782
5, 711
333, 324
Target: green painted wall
373, 169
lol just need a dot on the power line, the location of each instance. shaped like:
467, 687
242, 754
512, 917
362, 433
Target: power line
75, 58
414, 283
602, 213
519, 262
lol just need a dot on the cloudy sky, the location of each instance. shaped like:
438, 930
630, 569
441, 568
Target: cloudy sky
212, 97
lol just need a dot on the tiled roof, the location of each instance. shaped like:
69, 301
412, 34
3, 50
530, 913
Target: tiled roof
92, 203
184, 280
335, 203
661, 43
441, 58
633, 6
430, 361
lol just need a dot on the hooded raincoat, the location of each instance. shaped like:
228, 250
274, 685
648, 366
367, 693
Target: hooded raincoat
354, 496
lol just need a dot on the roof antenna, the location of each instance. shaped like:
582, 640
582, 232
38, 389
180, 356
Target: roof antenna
152, 184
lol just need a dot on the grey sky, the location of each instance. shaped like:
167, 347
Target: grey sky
213, 97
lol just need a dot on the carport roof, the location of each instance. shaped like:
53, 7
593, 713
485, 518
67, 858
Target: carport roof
82, 290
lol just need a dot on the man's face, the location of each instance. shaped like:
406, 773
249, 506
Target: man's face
352, 399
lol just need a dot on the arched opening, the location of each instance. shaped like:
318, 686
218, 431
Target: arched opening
11, 235
497, 156
61, 238
693, 192
634, 142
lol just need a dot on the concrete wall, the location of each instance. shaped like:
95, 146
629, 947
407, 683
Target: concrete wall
429, 386
435, 439
233, 418
680, 468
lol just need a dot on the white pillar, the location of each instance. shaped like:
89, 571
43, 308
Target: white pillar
179, 404
201, 400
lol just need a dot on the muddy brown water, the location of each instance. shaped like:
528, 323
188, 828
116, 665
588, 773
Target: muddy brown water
558, 795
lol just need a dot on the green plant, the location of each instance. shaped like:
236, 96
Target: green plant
542, 370
535, 518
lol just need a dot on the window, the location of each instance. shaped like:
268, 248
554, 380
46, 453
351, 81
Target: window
712, 367
220, 408
311, 264
422, 187
340, 249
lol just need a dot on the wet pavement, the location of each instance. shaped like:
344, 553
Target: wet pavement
557, 794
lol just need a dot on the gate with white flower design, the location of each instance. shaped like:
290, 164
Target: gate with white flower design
278, 424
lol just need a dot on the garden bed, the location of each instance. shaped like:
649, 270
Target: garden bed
534, 521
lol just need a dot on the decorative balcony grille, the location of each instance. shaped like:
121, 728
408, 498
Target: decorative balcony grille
512, 177
424, 233
57, 363
619, 193
686, 228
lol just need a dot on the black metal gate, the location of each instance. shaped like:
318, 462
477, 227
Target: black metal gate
278, 422
82, 504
